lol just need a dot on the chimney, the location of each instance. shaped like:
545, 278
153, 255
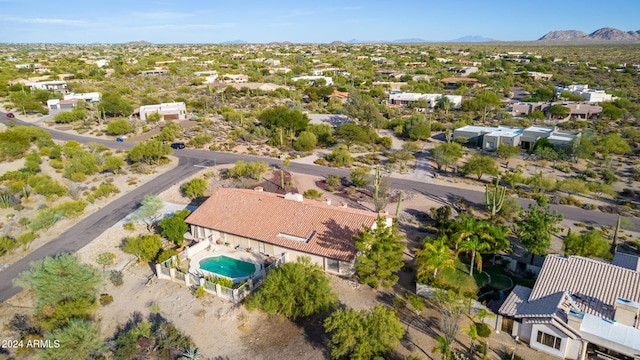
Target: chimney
342, 205
258, 188
627, 312
575, 319
326, 201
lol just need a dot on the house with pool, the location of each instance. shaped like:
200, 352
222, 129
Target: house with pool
274, 225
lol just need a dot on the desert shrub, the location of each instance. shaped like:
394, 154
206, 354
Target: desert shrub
106, 299
118, 127
45, 185
71, 209
105, 190
129, 226
7, 244
45, 218
483, 330
116, 278
321, 162
166, 255
333, 180
312, 194
222, 281
200, 292
199, 141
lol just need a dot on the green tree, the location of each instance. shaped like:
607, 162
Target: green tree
113, 163
295, 289
446, 154
79, 340
149, 211
487, 100
360, 176
64, 288
114, 104
150, 152
351, 134
145, 248
417, 127
195, 188
452, 306
475, 245
362, 108
590, 243
340, 156
444, 103
613, 144
282, 117
380, 254
306, 141
252, 169
431, 257
559, 111
443, 347
506, 152
573, 186
537, 225
118, 127
364, 334
174, 227
479, 165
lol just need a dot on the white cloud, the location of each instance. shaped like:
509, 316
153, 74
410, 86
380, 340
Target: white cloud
48, 21
161, 15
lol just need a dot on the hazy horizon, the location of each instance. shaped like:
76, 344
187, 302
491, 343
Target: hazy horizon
189, 21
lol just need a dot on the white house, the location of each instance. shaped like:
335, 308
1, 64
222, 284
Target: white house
88, 97
56, 85
407, 98
589, 95
173, 111
312, 79
234, 78
578, 306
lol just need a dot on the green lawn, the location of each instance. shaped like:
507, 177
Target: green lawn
458, 278
500, 279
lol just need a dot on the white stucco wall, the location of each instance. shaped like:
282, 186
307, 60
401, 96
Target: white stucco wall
568, 347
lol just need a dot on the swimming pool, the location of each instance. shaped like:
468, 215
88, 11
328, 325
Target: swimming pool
229, 267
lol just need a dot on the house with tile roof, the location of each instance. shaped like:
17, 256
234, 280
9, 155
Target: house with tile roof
578, 306
274, 224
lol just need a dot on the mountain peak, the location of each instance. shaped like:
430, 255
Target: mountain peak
603, 34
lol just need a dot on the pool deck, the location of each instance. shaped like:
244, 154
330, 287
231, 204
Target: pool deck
218, 250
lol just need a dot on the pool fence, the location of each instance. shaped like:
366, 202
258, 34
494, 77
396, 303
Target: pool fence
168, 270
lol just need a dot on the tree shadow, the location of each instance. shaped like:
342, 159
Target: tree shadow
314, 332
134, 320
336, 238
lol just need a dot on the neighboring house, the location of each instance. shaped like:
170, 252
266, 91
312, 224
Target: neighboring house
312, 79
154, 72
250, 85
334, 120
390, 85
173, 111
457, 81
577, 111
578, 306
274, 224
589, 95
540, 76
41, 68
23, 66
234, 78
55, 86
57, 104
209, 76
88, 97
489, 138
331, 71
408, 98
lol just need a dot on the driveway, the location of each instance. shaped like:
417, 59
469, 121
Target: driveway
423, 171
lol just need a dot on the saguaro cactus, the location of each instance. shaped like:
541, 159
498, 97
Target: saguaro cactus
495, 197
376, 181
398, 206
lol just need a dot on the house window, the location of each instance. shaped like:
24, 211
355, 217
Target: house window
490, 144
333, 265
549, 340
261, 247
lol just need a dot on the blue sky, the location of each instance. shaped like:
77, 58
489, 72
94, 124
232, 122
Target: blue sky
214, 21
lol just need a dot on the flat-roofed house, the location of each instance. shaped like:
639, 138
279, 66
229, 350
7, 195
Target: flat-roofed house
577, 306
173, 111
274, 224
489, 138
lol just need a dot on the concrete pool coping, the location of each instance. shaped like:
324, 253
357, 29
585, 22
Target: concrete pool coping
219, 250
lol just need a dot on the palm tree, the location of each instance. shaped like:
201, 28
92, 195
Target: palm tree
475, 244
497, 239
433, 256
466, 227
442, 348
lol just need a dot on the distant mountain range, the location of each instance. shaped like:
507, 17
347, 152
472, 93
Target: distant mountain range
604, 34
464, 39
234, 42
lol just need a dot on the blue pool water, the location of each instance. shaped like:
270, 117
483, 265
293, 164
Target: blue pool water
227, 266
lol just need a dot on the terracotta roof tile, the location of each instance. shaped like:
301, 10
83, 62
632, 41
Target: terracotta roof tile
267, 217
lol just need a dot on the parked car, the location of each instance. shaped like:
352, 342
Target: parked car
120, 139
178, 145
10, 115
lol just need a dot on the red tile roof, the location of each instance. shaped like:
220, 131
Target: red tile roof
267, 217
451, 80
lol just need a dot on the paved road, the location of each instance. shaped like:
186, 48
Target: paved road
88, 229
423, 171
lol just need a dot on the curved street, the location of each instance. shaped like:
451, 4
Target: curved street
89, 228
